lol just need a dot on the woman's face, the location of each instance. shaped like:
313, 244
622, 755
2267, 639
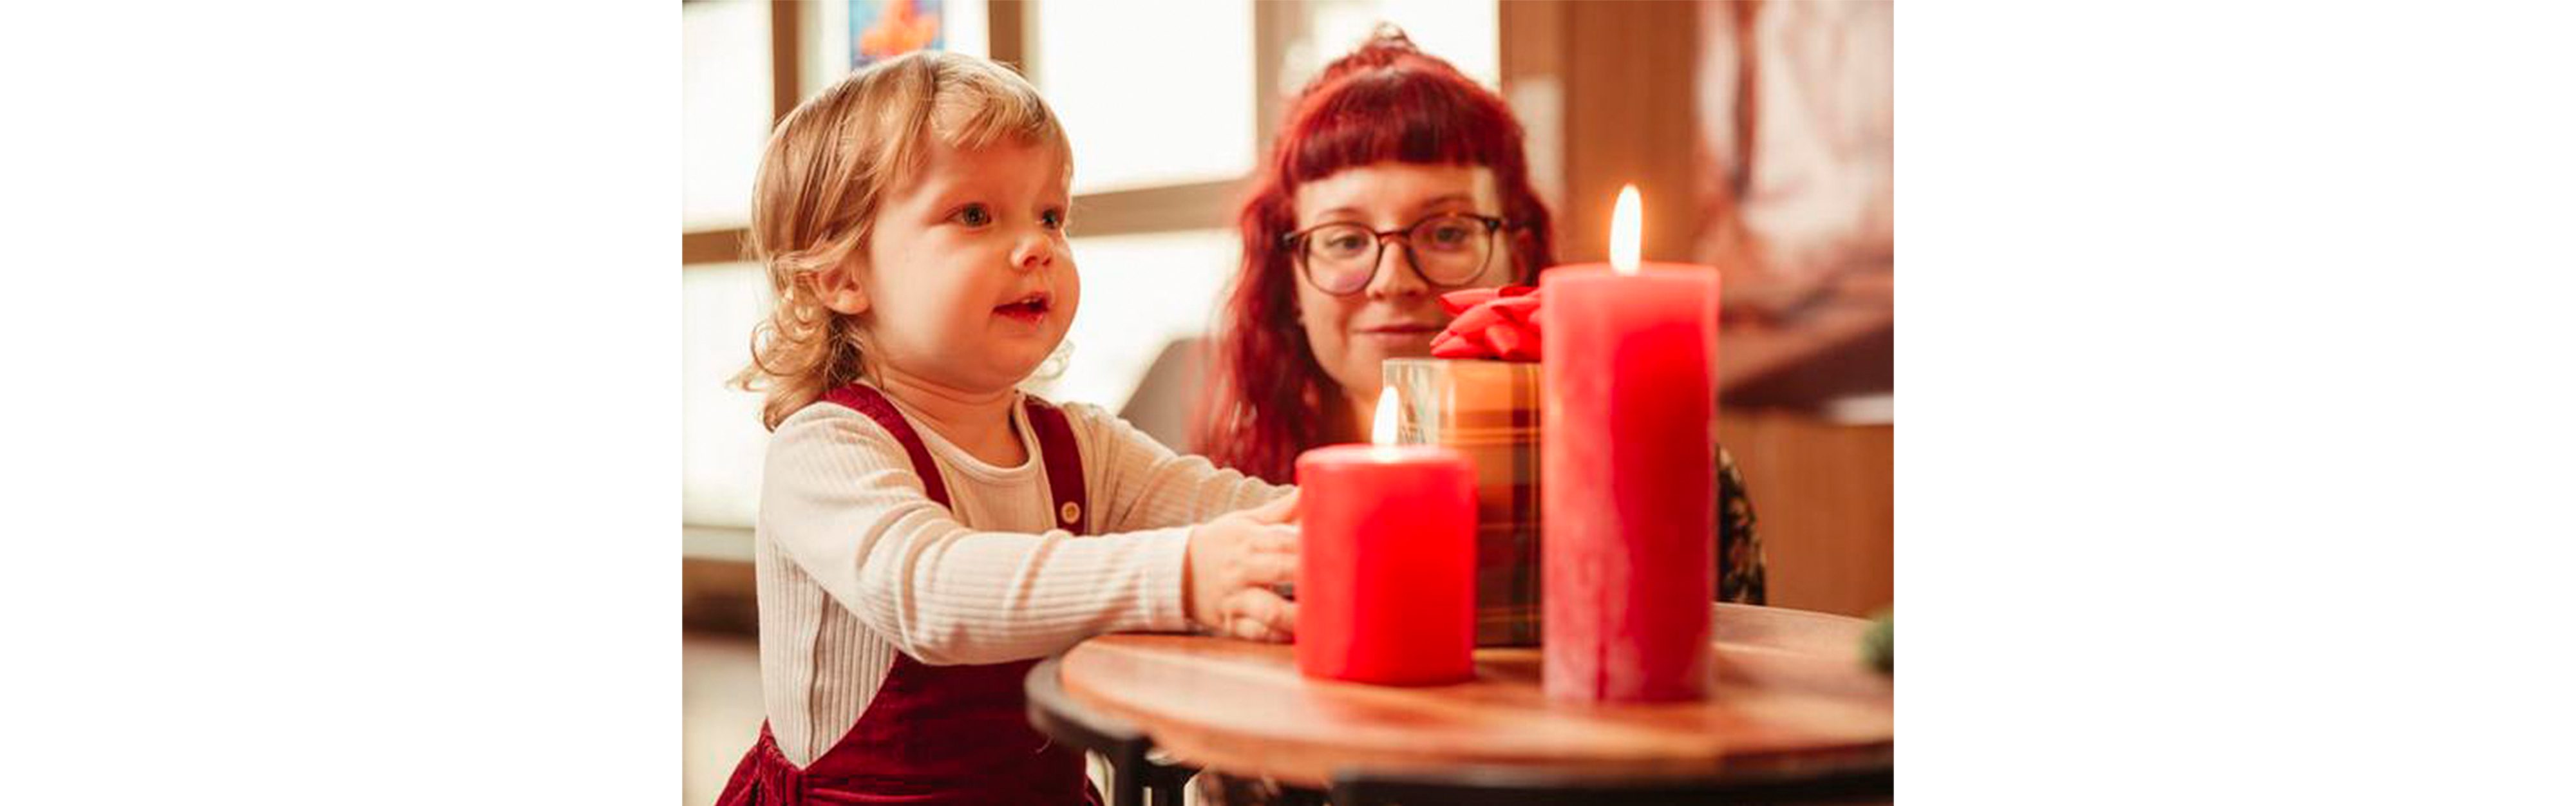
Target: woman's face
1398, 311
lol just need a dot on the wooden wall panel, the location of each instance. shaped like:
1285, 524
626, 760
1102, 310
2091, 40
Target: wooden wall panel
1824, 495
1630, 114
718, 596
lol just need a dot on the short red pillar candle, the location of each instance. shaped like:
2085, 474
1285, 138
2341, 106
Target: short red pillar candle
1627, 547
1386, 576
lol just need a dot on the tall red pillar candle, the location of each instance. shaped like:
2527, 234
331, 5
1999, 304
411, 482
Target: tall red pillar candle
1627, 545
1386, 577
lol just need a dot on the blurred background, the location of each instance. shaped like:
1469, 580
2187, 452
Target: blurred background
1760, 134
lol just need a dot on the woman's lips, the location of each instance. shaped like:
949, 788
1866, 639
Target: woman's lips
1401, 330
1415, 337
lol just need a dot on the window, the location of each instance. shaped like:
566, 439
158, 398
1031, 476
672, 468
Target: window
725, 105
1140, 292
1178, 111
1467, 35
721, 439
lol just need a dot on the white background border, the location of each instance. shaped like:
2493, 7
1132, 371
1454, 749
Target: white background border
2233, 359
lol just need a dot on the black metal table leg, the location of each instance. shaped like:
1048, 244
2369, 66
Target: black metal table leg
1165, 780
1131, 774
1127, 776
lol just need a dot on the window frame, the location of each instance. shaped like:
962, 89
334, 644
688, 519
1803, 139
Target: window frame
1133, 211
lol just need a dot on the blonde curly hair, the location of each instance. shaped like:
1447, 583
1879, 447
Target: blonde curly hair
828, 167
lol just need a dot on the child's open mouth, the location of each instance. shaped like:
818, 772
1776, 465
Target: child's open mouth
1030, 308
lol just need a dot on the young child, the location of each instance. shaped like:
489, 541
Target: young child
926, 531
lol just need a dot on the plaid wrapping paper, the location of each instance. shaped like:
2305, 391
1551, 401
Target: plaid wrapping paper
1488, 410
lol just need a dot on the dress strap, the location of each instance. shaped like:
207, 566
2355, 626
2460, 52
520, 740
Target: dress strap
1062, 455
867, 400
1063, 464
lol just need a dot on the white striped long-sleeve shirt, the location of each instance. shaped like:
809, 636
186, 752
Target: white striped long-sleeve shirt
856, 563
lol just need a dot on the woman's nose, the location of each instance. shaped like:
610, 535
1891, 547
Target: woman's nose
1395, 275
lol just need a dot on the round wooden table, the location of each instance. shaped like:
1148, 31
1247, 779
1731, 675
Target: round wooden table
1791, 698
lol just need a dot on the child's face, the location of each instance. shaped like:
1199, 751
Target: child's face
967, 281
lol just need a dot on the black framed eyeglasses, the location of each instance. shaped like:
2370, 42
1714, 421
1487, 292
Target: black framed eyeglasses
1340, 258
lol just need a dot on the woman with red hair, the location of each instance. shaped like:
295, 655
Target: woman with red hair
1395, 178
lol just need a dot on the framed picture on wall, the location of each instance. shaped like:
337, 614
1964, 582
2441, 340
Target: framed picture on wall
846, 35
884, 29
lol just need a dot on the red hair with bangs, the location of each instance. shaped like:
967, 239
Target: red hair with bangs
1269, 399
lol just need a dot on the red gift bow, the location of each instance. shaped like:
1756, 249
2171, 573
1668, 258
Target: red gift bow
1497, 323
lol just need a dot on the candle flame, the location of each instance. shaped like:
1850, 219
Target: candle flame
1626, 220
1384, 431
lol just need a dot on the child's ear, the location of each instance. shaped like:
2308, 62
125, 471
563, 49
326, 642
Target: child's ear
839, 289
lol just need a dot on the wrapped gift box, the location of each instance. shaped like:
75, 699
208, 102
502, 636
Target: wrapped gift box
1488, 410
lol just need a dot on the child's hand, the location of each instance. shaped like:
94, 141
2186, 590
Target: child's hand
1230, 565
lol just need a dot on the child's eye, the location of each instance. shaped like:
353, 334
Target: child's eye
1054, 219
974, 215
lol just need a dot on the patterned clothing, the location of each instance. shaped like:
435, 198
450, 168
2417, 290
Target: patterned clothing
1740, 565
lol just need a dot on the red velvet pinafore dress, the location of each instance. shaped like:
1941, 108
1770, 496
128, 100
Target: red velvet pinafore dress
937, 734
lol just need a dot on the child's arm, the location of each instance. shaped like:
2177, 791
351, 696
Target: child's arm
1137, 483
841, 501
